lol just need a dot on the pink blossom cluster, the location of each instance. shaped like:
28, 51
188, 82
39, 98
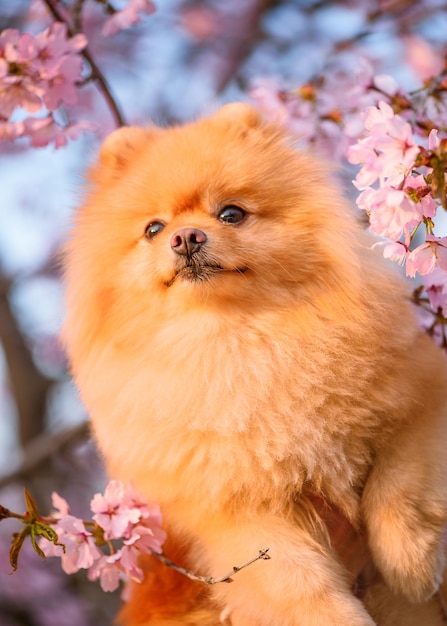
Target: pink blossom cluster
393, 136
402, 189
40, 74
37, 75
324, 111
124, 527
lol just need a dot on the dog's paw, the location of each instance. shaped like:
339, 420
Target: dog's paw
410, 556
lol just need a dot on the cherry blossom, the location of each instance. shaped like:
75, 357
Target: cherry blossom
269, 97
436, 289
112, 511
45, 130
127, 17
38, 74
59, 65
39, 70
402, 186
18, 84
145, 539
61, 506
385, 84
79, 552
433, 139
395, 251
416, 187
148, 510
428, 256
388, 152
391, 212
421, 57
120, 514
107, 570
11, 130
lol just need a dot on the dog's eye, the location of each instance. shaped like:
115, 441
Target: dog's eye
153, 229
231, 214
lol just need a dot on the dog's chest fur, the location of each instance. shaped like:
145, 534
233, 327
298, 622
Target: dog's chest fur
295, 406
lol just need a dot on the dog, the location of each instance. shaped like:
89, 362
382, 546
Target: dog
242, 351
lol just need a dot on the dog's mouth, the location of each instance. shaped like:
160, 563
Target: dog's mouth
202, 272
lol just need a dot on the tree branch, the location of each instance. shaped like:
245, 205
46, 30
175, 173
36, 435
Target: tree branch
44, 447
28, 385
243, 24
210, 580
95, 72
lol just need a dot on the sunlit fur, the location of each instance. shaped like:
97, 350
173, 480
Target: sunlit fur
230, 396
167, 598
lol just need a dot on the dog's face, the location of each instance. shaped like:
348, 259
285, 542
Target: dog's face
221, 212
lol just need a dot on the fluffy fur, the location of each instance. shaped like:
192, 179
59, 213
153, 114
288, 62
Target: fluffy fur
274, 360
166, 598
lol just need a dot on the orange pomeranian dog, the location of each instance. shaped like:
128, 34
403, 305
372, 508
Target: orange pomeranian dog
242, 352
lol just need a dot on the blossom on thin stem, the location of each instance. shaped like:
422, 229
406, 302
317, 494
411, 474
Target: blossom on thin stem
388, 152
113, 511
79, 543
403, 187
39, 74
436, 289
397, 141
120, 515
391, 212
428, 256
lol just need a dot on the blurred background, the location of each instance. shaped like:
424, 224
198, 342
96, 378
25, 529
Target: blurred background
185, 59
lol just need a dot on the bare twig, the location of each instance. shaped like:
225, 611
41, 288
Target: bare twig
77, 11
241, 32
95, 72
210, 580
28, 385
44, 447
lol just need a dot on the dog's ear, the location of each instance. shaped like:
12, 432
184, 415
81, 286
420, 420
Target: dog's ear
118, 150
119, 147
239, 113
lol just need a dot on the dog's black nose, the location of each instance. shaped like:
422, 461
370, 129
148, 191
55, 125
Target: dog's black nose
188, 241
